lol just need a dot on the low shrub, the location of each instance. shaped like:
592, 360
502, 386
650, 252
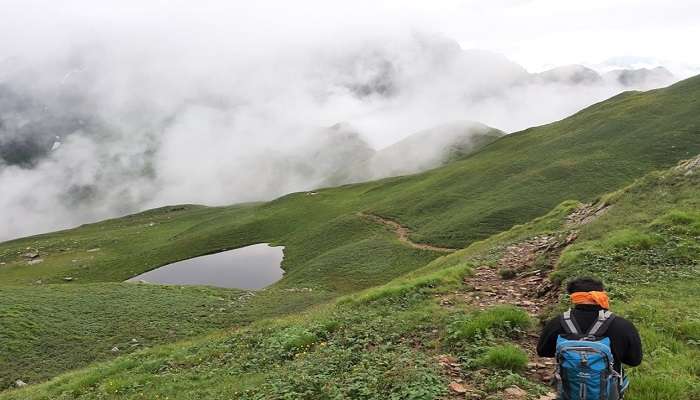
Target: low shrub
507, 273
629, 238
499, 320
505, 357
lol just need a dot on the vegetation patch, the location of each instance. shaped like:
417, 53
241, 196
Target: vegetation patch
499, 320
628, 239
507, 357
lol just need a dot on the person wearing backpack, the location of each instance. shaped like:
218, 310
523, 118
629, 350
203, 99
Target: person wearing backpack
590, 344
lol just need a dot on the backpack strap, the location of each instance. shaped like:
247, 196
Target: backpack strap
568, 322
601, 325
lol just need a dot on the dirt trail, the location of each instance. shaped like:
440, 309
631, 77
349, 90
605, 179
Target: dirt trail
403, 233
525, 285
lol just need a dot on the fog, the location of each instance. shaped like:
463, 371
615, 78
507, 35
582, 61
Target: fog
107, 111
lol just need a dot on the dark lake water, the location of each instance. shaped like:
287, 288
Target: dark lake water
251, 267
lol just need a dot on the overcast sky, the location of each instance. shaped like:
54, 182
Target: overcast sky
131, 104
535, 33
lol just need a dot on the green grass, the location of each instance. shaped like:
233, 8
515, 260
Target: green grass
501, 320
510, 181
63, 327
507, 356
482, 202
357, 254
647, 252
385, 341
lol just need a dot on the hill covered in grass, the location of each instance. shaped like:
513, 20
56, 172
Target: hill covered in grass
420, 335
333, 245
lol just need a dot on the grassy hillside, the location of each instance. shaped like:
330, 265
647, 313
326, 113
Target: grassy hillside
526, 173
392, 341
510, 181
49, 329
331, 249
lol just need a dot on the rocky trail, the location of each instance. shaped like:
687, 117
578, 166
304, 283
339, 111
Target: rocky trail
520, 279
403, 233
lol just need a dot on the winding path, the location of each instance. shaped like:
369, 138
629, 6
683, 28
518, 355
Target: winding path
403, 233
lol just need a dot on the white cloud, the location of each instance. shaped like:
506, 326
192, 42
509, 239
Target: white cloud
219, 101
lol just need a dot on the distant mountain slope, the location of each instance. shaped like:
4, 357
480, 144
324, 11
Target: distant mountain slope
642, 77
569, 74
418, 152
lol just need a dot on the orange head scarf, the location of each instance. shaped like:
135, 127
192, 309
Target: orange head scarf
599, 298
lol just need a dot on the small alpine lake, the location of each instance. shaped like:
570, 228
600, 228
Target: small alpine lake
250, 267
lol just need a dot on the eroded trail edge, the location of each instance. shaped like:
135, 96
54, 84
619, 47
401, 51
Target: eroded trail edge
403, 233
520, 278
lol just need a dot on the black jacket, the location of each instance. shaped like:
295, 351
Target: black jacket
625, 343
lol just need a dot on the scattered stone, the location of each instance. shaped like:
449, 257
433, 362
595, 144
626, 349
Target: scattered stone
302, 289
20, 383
31, 254
585, 214
93, 250
115, 349
515, 392
35, 261
548, 396
458, 387
446, 302
39, 282
134, 341
68, 279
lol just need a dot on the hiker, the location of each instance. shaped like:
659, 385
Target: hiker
584, 338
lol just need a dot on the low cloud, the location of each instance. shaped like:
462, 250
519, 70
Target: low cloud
104, 116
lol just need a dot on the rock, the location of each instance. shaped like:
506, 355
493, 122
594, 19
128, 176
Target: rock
134, 341
35, 261
115, 349
515, 392
68, 278
458, 387
548, 396
93, 250
31, 254
20, 383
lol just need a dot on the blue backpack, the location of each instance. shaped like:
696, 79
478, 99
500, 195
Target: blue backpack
585, 362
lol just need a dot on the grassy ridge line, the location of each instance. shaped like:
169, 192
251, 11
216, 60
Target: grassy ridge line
524, 174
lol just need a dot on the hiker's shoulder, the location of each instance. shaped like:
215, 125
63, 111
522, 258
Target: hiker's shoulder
554, 322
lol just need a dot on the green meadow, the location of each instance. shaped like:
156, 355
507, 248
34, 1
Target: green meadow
357, 313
